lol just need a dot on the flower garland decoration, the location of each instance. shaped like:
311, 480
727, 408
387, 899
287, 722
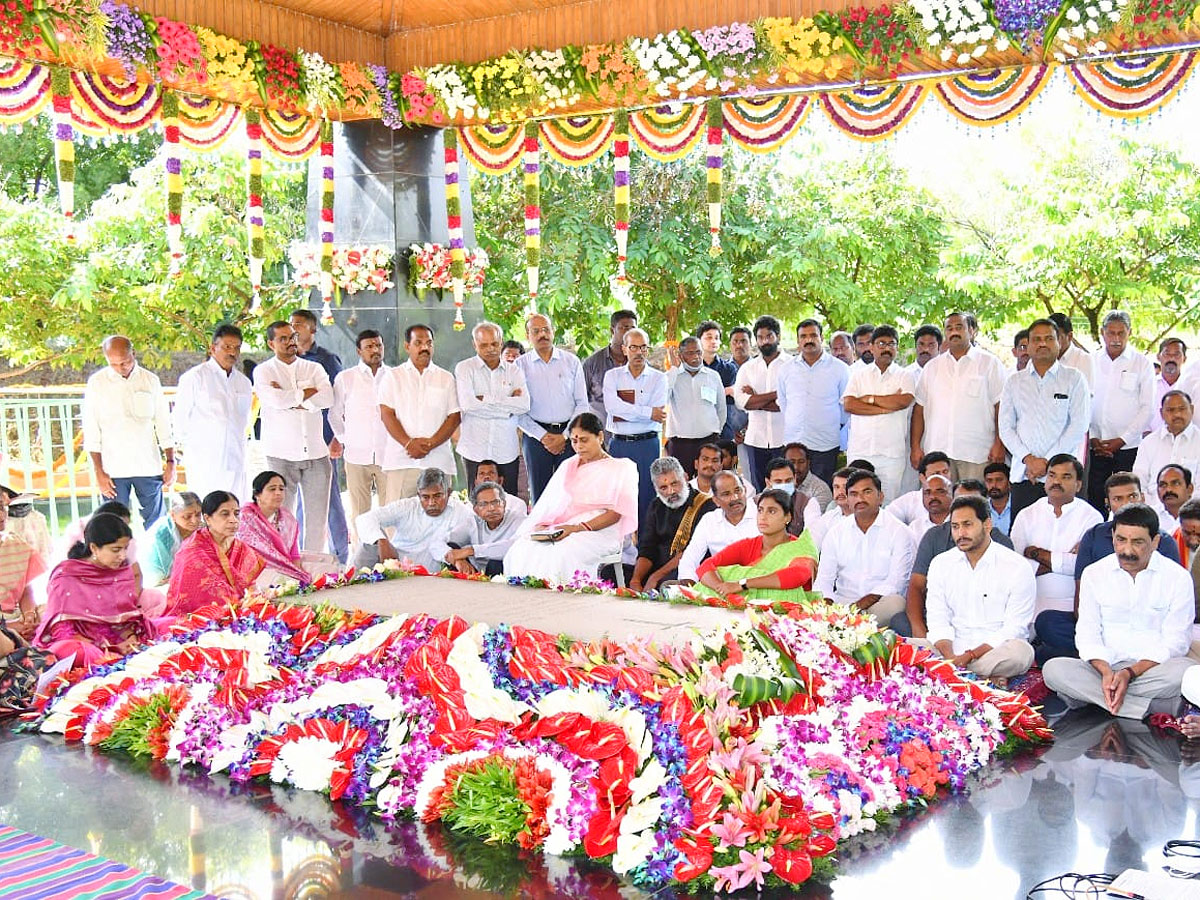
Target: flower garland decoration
733, 51
798, 49
454, 227
174, 181
64, 145
621, 190
279, 77
389, 108
429, 267
1149, 18
353, 269
359, 89
533, 209
506, 90
959, 30
226, 59
450, 88
326, 221
255, 222
1024, 20
128, 38
179, 52
671, 62
555, 73
1081, 23
16, 36
715, 135
877, 38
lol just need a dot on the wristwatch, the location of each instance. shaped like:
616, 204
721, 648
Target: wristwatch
871, 399
743, 584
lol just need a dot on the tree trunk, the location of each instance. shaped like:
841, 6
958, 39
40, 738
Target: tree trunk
674, 310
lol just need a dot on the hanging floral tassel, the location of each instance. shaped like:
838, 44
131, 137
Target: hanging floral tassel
170, 120
64, 145
458, 256
716, 132
326, 221
621, 190
255, 225
533, 210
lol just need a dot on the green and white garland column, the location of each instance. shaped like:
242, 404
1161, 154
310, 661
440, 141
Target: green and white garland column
64, 145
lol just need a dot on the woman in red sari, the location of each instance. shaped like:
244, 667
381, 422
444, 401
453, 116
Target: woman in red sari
94, 604
212, 566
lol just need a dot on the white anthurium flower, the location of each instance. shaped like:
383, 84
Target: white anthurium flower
652, 778
365, 644
233, 742
632, 850
1072, 14
307, 763
65, 704
642, 816
146, 663
483, 699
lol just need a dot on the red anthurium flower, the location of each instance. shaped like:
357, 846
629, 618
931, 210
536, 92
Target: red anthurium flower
793, 866
698, 853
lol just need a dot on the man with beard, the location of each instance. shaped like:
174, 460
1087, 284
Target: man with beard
877, 398
755, 392
1020, 348
908, 507
493, 531
1135, 625
809, 396
927, 342
1172, 354
666, 528
1177, 441
864, 338
980, 601
1048, 532
733, 520
1174, 489
999, 494
935, 499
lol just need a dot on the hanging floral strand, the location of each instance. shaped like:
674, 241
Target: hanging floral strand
533, 210
64, 145
326, 221
716, 133
255, 225
458, 256
170, 120
621, 190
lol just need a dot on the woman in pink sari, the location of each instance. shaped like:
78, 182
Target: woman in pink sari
94, 603
212, 566
588, 508
272, 531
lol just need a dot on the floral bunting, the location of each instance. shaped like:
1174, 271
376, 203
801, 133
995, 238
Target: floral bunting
533, 209
620, 149
458, 267
205, 123
64, 145
255, 223
24, 91
668, 135
763, 124
871, 112
326, 221
1132, 86
290, 135
174, 181
990, 98
578, 140
494, 149
105, 105
713, 172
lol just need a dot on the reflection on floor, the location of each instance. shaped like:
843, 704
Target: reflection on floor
1104, 797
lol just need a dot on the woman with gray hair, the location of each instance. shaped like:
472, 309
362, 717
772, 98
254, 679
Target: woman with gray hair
182, 518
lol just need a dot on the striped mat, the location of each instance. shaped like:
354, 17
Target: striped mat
33, 868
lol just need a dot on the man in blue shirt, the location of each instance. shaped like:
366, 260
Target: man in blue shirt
709, 333
635, 400
1056, 629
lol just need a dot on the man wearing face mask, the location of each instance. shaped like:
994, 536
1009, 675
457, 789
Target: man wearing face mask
666, 528
755, 392
695, 405
781, 475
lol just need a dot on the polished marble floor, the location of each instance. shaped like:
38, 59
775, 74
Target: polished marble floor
1104, 797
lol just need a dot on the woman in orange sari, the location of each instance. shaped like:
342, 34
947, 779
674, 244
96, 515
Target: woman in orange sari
212, 566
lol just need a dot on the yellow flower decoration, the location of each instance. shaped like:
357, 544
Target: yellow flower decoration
801, 49
227, 58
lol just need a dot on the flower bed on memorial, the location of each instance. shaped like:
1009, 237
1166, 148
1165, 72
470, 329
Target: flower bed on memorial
738, 760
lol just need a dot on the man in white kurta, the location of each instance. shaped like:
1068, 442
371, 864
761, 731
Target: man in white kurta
212, 418
734, 519
494, 527
1135, 624
1047, 533
754, 390
979, 597
356, 423
491, 397
1177, 441
423, 527
877, 398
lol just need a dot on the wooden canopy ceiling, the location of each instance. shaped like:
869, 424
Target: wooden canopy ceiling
405, 34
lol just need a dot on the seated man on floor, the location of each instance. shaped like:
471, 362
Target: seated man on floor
981, 597
735, 518
494, 529
908, 506
838, 509
424, 525
866, 557
1135, 626
936, 541
1174, 489
668, 525
1055, 629
488, 470
936, 494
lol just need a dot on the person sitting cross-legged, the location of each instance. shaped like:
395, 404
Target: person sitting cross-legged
424, 525
979, 605
1135, 624
735, 518
668, 524
495, 528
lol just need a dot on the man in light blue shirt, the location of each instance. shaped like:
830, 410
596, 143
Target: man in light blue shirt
695, 404
1045, 410
557, 394
809, 393
635, 400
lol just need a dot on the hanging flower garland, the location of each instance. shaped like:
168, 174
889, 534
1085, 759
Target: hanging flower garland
621, 192
64, 145
429, 268
533, 209
355, 268
716, 132
454, 225
174, 167
326, 221
255, 224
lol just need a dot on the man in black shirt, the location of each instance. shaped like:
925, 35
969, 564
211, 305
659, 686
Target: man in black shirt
667, 526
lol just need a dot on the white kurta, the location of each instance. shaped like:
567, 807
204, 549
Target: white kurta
212, 420
1038, 526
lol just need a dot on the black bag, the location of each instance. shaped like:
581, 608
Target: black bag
19, 673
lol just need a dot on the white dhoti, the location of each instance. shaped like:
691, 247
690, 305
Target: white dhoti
558, 562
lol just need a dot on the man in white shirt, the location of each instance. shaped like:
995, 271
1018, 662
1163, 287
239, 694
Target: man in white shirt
1047, 533
635, 397
935, 499
980, 598
877, 398
419, 406
127, 430
1135, 626
1172, 355
927, 344
357, 425
808, 393
836, 511
695, 405
491, 395
292, 393
734, 519
493, 531
1070, 353
212, 418
958, 402
755, 392
866, 557
1121, 405
1177, 441
423, 527
909, 506
1174, 488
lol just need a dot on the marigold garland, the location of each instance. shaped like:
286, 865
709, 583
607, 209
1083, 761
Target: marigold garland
533, 209
716, 131
458, 267
64, 145
174, 181
255, 223
326, 221
621, 190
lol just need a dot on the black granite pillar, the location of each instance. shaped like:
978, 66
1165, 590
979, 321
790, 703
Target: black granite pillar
389, 188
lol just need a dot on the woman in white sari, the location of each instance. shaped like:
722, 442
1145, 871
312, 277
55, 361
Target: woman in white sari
591, 500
